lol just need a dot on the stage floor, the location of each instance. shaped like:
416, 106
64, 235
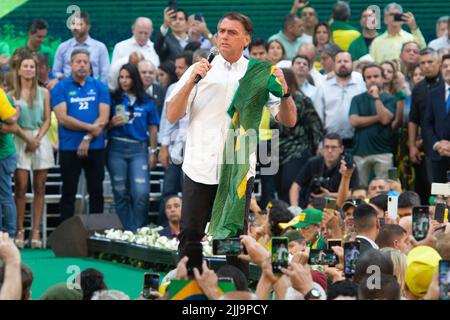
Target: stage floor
49, 270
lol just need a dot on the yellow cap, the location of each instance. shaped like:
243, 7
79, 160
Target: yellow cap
422, 263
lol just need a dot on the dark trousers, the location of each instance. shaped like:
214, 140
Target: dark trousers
286, 176
439, 170
173, 180
94, 169
198, 200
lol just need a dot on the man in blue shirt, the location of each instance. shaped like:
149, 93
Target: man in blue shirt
82, 105
99, 57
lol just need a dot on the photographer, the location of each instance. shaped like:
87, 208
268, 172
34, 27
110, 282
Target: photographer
320, 176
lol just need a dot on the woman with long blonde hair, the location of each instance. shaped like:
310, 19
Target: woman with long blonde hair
398, 259
34, 151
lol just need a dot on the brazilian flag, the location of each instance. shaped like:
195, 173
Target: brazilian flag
246, 111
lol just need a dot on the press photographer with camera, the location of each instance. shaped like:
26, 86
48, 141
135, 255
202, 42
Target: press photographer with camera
320, 176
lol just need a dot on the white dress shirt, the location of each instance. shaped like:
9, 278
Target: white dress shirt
332, 103
209, 121
127, 47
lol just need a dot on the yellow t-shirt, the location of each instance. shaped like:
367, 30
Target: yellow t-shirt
6, 109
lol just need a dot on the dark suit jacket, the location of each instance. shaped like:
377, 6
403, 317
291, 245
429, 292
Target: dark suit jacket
364, 246
167, 47
159, 94
436, 126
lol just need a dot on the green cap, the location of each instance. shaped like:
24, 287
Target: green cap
307, 217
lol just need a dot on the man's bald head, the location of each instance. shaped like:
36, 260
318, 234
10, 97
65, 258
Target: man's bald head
309, 50
406, 223
142, 30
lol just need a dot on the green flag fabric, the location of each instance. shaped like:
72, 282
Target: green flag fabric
245, 110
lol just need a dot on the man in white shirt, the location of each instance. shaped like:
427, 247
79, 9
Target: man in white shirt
301, 67
442, 41
142, 30
309, 50
333, 98
207, 103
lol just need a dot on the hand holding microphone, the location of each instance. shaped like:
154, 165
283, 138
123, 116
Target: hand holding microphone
202, 68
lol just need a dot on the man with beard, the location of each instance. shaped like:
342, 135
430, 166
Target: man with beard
371, 114
333, 98
173, 214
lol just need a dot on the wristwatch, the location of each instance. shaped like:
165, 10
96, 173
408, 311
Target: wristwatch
152, 151
209, 36
313, 294
287, 94
87, 138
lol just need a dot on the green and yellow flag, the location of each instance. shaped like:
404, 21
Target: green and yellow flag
246, 111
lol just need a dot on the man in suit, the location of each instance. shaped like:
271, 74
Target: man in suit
169, 45
147, 72
437, 126
367, 226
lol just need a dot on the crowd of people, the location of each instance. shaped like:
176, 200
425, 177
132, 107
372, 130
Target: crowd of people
362, 118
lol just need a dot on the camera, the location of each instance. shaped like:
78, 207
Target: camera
318, 183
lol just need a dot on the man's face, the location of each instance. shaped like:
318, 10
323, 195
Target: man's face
389, 18
348, 218
327, 62
173, 210
410, 54
258, 52
180, 24
79, 28
80, 65
332, 151
142, 32
446, 70
402, 243
310, 232
232, 38
296, 27
147, 73
343, 65
300, 67
309, 17
377, 186
373, 77
441, 29
404, 212
429, 65
180, 67
37, 39
359, 194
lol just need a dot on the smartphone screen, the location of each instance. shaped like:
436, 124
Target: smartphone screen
334, 243
151, 283
172, 4
392, 207
227, 247
420, 222
444, 280
439, 212
324, 257
330, 204
382, 221
198, 17
393, 174
280, 254
225, 279
351, 255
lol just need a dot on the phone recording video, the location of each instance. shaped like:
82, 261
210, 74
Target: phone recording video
439, 212
324, 257
151, 283
198, 17
420, 222
393, 174
399, 17
227, 247
348, 158
280, 254
351, 256
444, 280
330, 204
392, 207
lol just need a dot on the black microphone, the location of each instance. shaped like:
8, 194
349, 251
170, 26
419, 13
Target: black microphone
212, 54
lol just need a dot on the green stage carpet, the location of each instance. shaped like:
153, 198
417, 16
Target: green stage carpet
49, 270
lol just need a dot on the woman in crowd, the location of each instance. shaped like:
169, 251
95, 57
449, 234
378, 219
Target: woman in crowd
34, 151
276, 54
134, 122
166, 74
321, 37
